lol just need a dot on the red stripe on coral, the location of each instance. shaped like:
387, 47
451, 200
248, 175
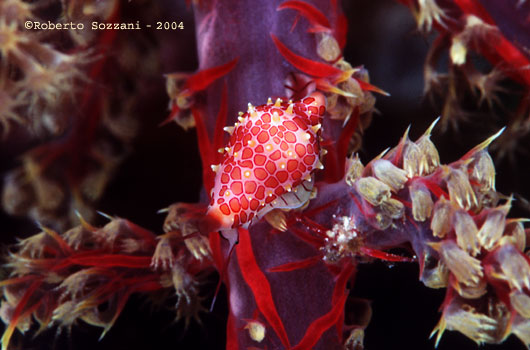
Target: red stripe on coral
341, 31
311, 13
335, 160
16, 280
122, 300
369, 87
379, 254
320, 325
215, 246
149, 286
344, 141
106, 41
218, 139
435, 189
231, 333
313, 68
259, 285
513, 57
146, 235
204, 78
205, 149
172, 115
471, 7
314, 211
20, 312
106, 260
339, 290
316, 242
502, 48
296, 265
60, 240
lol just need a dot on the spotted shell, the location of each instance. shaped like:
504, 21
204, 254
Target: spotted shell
268, 162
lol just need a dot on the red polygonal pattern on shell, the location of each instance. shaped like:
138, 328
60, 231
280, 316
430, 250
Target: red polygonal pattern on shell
272, 149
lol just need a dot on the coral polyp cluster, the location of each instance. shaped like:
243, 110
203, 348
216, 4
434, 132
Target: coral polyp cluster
33, 75
74, 133
482, 57
60, 279
457, 226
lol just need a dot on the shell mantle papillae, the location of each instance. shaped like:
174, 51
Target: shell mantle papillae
268, 162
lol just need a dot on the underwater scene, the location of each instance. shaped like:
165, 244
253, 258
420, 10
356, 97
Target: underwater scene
260, 175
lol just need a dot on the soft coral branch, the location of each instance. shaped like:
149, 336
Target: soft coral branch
259, 285
62, 278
